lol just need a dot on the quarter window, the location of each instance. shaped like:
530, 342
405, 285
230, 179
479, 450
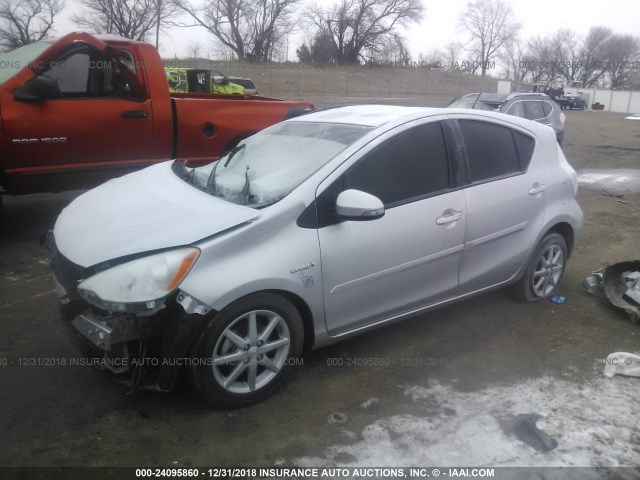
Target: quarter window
526, 145
410, 165
491, 150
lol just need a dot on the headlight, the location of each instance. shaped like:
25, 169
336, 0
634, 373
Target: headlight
139, 285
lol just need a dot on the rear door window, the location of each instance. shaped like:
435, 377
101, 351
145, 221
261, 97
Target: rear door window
491, 150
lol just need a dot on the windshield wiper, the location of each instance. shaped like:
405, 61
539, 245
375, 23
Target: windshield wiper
247, 183
233, 152
211, 181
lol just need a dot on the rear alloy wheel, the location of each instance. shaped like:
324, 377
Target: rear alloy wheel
245, 353
545, 269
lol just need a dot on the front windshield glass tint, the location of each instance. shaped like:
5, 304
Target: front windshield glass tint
266, 167
15, 60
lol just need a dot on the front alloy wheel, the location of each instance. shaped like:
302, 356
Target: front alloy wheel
251, 351
245, 353
545, 269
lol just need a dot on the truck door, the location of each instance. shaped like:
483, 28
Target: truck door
93, 123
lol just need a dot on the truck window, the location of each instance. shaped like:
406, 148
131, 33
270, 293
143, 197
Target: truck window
87, 74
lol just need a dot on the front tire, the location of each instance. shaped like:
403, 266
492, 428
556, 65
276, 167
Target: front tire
545, 269
246, 352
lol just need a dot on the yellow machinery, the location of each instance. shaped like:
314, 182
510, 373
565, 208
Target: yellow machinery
191, 80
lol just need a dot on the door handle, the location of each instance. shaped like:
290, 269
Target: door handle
449, 218
135, 114
536, 189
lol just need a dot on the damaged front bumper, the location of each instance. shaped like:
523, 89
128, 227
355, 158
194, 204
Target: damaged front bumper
151, 348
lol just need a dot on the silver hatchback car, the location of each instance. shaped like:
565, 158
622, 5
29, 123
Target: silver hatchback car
310, 231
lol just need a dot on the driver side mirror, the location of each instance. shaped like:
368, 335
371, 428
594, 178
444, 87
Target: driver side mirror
38, 90
358, 205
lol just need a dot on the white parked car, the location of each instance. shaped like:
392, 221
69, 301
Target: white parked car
310, 231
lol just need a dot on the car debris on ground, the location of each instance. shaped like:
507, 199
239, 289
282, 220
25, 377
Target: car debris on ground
620, 285
619, 197
525, 429
622, 363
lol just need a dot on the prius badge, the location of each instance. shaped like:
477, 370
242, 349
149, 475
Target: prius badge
303, 267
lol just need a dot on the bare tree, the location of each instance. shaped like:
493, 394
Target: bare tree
133, 19
490, 24
357, 27
452, 54
391, 49
250, 28
194, 49
433, 60
26, 21
621, 52
513, 56
593, 56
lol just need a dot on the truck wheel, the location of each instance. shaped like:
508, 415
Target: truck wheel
545, 269
246, 351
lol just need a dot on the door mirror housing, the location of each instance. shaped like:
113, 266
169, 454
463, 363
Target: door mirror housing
38, 90
358, 205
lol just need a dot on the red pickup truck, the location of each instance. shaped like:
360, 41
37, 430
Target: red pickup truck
79, 110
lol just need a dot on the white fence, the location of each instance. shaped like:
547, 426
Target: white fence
615, 100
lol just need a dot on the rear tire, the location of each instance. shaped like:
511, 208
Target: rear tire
545, 269
246, 352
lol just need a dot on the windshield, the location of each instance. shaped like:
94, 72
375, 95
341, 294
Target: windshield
472, 102
266, 167
15, 60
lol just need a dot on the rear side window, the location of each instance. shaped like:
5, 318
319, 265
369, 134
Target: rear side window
410, 165
547, 108
533, 110
491, 150
516, 109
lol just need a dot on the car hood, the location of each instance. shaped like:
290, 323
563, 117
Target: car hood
143, 211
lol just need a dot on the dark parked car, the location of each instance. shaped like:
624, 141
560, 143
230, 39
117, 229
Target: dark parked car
569, 102
533, 106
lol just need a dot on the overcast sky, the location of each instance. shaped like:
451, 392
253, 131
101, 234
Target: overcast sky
440, 24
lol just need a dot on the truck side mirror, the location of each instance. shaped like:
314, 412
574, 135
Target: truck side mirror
38, 90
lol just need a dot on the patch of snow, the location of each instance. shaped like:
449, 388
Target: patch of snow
368, 403
620, 179
595, 424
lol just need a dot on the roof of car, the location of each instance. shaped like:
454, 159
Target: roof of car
503, 97
378, 115
367, 115
528, 94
